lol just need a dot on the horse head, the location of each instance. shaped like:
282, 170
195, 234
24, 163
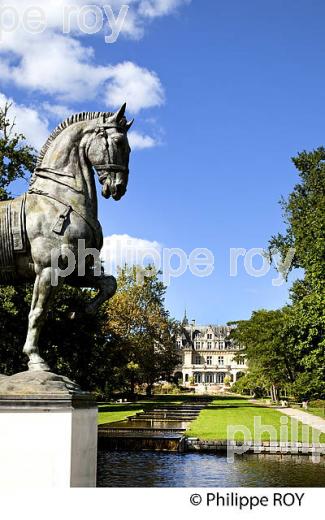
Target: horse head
108, 152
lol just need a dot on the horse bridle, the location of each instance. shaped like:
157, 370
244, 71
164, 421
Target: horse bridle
110, 167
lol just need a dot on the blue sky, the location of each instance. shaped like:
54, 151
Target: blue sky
224, 93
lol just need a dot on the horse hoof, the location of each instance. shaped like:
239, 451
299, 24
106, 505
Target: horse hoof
37, 367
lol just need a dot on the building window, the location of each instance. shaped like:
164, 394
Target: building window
209, 360
209, 345
197, 360
186, 378
198, 378
179, 344
221, 345
241, 361
209, 378
220, 378
198, 345
221, 360
209, 336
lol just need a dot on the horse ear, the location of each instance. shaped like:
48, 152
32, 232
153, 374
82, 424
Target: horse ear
129, 124
120, 113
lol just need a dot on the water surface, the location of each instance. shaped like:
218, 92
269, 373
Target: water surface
150, 469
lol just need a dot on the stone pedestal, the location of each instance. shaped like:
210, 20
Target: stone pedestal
48, 432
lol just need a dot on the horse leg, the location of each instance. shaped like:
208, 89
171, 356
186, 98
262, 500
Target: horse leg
41, 298
107, 286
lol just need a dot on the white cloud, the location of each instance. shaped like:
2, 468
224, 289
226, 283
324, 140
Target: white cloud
70, 74
63, 68
28, 122
140, 87
66, 13
36, 128
124, 249
140, 142
60, 65
155, 8
57, 111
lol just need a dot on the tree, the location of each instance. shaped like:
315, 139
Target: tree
17, 158
138, 318
252, 383
306, 324
304, 214
269, 348
14, 309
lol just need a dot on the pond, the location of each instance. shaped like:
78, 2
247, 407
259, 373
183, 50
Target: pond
159, 469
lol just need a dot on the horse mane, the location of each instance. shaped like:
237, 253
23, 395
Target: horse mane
76, 118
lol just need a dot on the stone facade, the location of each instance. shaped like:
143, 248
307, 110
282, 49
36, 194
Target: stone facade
208, 357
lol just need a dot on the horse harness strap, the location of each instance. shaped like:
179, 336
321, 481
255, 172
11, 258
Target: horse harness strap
64, 214
109, 169
60, 177
58, 228
12, 236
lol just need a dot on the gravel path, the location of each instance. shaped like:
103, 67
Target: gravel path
306, 418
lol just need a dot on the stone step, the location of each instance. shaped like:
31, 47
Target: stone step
139, 430
164, 416
160, 419
167, 414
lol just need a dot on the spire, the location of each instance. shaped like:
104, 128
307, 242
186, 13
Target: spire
185, 320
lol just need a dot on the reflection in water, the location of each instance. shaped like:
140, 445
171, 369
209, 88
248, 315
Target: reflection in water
148, 469
146, 424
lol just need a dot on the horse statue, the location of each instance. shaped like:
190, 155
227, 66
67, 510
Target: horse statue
60, 210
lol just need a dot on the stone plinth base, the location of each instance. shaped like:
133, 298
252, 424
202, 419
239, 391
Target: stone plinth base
48, 432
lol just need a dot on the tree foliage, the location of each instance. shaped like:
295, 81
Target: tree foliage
138, 317
17, 158
288, 345
267, 346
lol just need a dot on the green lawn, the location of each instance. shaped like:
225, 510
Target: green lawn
320, 412
213, 422
314, 410
109, 413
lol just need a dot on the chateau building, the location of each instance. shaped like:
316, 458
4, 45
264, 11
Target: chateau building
210, 359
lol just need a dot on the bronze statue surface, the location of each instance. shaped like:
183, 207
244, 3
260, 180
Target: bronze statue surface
46, 229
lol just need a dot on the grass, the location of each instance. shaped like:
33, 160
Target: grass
213, 422
320, 412
109, 413
314, 407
